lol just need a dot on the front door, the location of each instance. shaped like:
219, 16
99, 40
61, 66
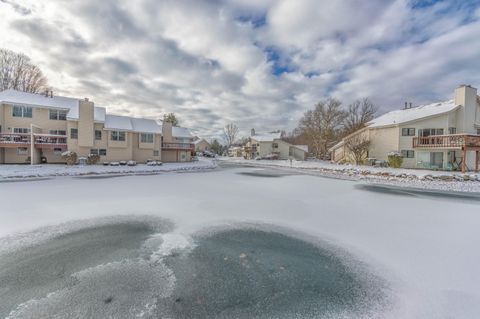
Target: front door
436, 159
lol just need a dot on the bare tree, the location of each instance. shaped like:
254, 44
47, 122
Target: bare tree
230, 132
358, 145
170, 118
321, 126
359, 113
17, 72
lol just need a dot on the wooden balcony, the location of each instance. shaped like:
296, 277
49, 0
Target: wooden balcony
178, 146
453, 141
50, 141
14, 140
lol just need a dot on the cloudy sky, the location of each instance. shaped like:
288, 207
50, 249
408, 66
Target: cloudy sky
258, 63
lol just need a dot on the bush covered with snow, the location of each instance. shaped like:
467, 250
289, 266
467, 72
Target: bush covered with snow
69, 157
395, 160
93, 159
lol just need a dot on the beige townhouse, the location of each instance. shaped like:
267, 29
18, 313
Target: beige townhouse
39, 127
271, 144
202, 145
443, 135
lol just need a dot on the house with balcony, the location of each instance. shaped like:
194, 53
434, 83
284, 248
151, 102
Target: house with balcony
271, 144
443, 136
35, 127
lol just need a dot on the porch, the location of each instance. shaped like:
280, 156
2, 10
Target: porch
14, 140
451, 145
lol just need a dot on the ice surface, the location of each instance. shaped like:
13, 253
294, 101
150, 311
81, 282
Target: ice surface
425, 248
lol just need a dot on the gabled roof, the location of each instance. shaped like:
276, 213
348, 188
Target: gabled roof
302, 147
55, 102
267, 137
126, 123
200, 140
178, 131
413, 114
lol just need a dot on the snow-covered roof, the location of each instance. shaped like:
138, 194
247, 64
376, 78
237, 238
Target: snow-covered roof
200, 140
416, 113
267, 137
126, 123
178, 131
55, 102
146, 126
302, 147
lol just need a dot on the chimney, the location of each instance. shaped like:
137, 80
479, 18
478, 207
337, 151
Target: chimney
405, 106
86, 99
46, 92
466, 97
410, 104
252, 132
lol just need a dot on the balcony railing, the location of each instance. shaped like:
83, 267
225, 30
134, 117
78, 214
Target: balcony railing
14, 139
178, 146
453, 141
40, 140
50, 140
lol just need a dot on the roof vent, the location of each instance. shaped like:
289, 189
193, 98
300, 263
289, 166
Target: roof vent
86, 99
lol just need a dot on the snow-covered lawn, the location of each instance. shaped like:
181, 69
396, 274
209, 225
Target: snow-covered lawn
440, 180
49, 170
425, 248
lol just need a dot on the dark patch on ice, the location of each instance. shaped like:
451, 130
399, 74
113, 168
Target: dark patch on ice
24, 179
259, 274
85, 262
418, 192
100, 176
265, 173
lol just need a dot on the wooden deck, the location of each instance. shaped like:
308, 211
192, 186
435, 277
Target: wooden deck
14, 140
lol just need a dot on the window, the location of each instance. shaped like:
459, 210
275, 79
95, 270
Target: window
146, 138
275, 145
102, 152
117, 136
156, 152
452, 130
94, 151
478, 131
57, 132
21, 130
408, 153
22, 151
57, 151
21, 111
430, 131
74, 133
60, 115
98, 135
408, 132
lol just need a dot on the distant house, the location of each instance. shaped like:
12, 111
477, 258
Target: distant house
271, 144
202, 145
235, 151
443, 135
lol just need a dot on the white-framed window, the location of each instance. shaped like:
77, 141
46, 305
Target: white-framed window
430, 131
408, 131
57, 151
117, 136
60, 115
146, 138
21, 111
156, 152
94, 151
98, 135
275, 145
57, 132
74, 133
22, 151
21, 130
408, 153
102, 152
453, 130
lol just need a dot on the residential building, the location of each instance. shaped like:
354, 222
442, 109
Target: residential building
235, 151
271, 144
441, 135
42, 126
202, 145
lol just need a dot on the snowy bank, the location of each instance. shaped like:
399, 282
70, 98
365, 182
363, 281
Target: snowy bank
438, 180
50, 170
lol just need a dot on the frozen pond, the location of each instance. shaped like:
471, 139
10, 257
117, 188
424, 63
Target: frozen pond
235, 243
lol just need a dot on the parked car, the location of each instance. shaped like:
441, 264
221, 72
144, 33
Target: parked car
208, 154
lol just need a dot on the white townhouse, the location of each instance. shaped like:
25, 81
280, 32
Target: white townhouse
444, 135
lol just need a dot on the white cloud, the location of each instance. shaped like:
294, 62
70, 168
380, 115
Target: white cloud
211, 61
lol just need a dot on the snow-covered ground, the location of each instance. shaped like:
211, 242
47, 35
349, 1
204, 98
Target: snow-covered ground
424, 247
49, 170
417, 178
